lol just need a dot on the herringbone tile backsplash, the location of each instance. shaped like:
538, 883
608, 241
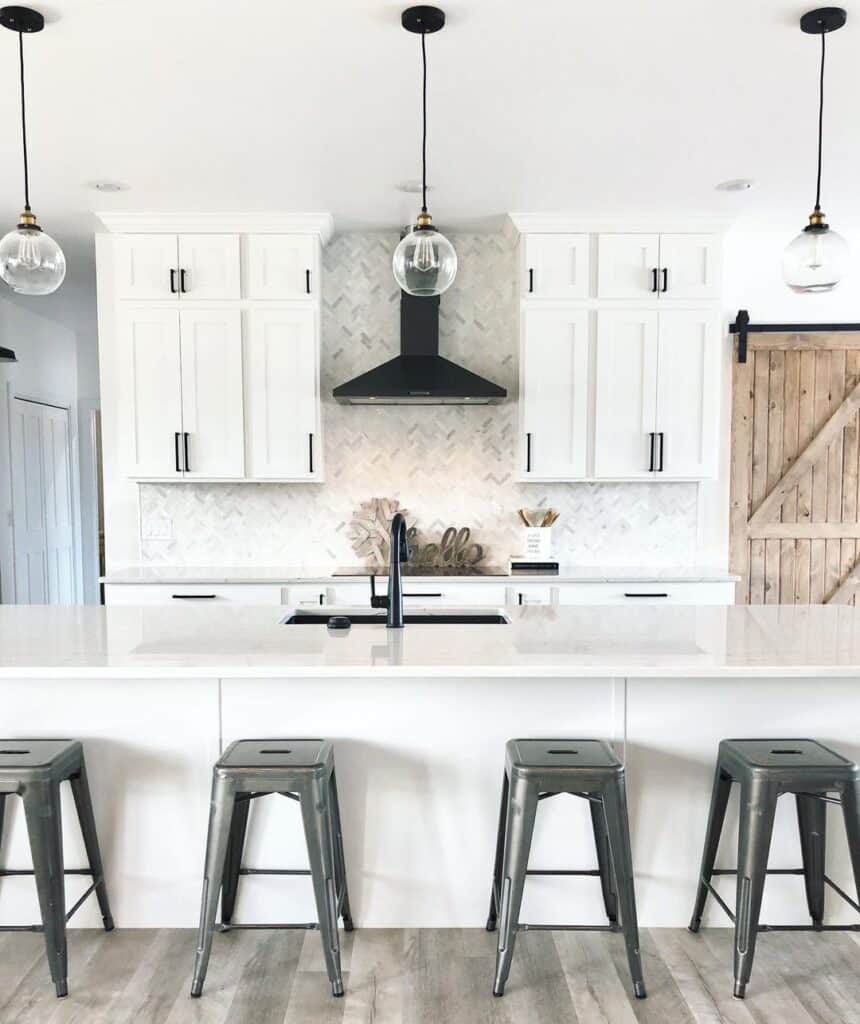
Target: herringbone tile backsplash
449, 465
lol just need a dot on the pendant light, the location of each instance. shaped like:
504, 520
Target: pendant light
815, 261
31, 262
424, 262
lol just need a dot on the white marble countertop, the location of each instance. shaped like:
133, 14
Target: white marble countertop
164, 642
317, 575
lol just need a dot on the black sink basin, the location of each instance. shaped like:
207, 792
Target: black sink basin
410, 618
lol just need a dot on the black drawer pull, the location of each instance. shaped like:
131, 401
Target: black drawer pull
652, 464
310, 453
646, 595
172, 281
531, 279
662, 437
182, 287
193, 597
419, 594
185, 449
653, 279
308, 281
176, 450
528, 453
665, 287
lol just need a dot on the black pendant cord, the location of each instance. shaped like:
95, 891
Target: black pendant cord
424, 128
820, 124
24, 126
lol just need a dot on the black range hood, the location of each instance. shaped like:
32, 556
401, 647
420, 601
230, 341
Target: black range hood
7, 355
419, 375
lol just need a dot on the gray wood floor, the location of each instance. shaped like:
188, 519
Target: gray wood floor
430, 977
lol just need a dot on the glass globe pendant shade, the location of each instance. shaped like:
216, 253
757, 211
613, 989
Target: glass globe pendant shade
424, 262
31, 262
816, 260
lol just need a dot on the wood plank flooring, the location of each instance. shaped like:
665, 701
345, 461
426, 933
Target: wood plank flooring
441, 976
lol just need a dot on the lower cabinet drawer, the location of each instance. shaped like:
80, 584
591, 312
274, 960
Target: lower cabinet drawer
644, 592
191, 593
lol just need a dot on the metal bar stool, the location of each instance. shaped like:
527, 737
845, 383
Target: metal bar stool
534, 771
33, 770
301, 770
765, 769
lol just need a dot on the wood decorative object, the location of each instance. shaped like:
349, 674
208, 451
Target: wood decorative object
795, 465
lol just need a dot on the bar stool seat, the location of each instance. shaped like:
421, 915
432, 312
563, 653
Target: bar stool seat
302, 770
33, 769
536, 769
765, 769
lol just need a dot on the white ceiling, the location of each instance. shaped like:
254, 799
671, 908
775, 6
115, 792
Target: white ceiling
534, 105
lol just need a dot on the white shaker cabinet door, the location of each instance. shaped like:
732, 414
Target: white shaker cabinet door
212, 409
209, 267
555, 393
556, 266
628, 266
625, 394
689, 266
283, 396
147, 267
281, 267
688, 390
150, 395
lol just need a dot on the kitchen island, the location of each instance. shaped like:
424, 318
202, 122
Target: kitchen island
419, 718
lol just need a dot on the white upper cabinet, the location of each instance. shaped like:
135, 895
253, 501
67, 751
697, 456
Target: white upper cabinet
212, 409
147, 266
625, 394
556, 266
150, 395
628, 266
554, 388
281, 267
688, 389
209, 267
689, 266
283, 394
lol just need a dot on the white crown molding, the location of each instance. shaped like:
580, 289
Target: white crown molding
565, 222
122, 222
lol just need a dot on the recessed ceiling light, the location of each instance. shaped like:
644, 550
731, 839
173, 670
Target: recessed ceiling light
736, 185
108, 186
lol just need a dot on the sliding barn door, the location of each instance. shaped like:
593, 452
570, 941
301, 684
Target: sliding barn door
795, 534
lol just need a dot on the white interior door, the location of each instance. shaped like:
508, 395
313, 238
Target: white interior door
281, 266
212, 406
283, 401
627, 266
146, 266
43, 519
150, 388
209, 267
555, 392
689, 266
557, 266
688, 388
625, 393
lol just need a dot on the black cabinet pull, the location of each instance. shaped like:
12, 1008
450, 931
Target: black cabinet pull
647, 595
310, 453
419, 594
185, 450
308, 281
665, 287
193, 597
531, 279
653, 279
652, 464
176, 451
172, 281
662, 437
182, 287
519, 598
528, 453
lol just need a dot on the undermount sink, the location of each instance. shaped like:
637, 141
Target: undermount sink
362, 618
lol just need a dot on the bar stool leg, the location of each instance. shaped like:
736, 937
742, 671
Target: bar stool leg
604, 860
2, 813
497, 864
340, 859
757, 810
716, 816
520, 811
319, 834
615, 808
84, 805
233, 858
812, 824
220, 819
851, 813
44, 826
